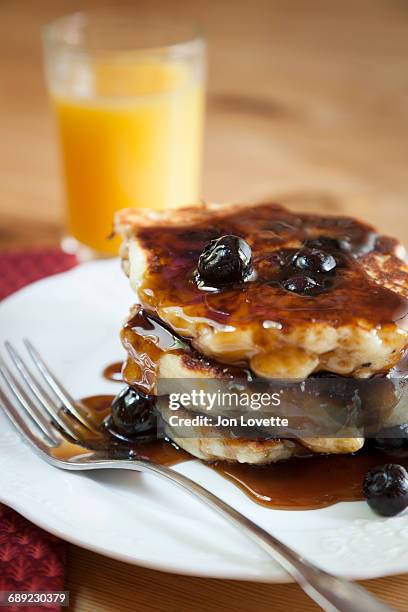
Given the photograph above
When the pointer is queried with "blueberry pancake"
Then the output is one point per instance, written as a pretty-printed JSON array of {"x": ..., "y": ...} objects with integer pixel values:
[{"x": 316, "y": 294}]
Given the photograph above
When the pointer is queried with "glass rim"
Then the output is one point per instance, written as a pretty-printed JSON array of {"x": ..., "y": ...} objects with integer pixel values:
[{"x": 54, "y": 34}]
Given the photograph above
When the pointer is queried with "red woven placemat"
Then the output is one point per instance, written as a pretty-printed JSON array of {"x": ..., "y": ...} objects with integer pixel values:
[
  {"x": 19, "y": 268},
  {"x": 30, "y": 558}
]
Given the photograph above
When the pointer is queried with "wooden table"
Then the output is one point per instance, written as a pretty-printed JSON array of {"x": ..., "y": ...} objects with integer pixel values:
[{"x": 308, "y": 105}]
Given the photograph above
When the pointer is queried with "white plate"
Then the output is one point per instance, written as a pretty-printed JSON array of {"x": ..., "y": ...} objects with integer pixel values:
[{"x": 74, "y": 318}]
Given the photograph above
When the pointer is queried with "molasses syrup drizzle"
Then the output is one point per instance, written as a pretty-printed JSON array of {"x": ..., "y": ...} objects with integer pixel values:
[{"x": 296, "y": 484}]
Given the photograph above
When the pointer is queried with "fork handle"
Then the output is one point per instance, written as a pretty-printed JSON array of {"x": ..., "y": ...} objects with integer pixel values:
[{"x": 328, "y": 591}]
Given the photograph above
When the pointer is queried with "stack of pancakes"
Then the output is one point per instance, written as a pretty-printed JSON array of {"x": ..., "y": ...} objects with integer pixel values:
[{"x": 355, "y": 327}]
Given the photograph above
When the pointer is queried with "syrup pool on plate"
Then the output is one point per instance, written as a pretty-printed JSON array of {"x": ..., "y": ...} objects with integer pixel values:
[{"x": 296, "y": 484}]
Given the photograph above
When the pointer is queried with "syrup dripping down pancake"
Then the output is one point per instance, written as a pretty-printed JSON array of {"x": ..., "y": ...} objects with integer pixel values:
[{"x": 357, "y": 327}]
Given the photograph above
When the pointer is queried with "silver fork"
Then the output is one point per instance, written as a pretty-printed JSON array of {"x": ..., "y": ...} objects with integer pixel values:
[{"x": 66, "y": 439}]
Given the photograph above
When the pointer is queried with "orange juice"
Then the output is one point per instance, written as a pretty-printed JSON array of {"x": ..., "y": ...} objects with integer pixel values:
[{"x": 136, "y": 141}]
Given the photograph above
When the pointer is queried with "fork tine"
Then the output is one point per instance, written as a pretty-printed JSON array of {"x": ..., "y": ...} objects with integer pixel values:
[
  {"x": 19, "y": 423},
  {"x": 65, "y": 398},
  {"x": 24, "y": 401},
  {"x": 44, "y": 399}
]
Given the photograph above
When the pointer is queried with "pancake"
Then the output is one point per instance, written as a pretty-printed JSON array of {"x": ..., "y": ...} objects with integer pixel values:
[
  {"x": 356, "y": 327},
  {"x": 159, "y": 360}
]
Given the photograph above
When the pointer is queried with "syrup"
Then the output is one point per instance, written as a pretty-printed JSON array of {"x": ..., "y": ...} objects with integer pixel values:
[
  {"x": 306, "y": 483},
  {"x": 296, "y": 484},
  {"x": 159, "y": 451},
  {"x": 113, "y": 372},
  {"x": 146, "y": 339},
  {"x": 269, "y": 228}
]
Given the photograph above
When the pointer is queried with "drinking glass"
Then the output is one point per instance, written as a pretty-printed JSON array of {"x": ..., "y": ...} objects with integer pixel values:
[{"x": 128, "y": 96}]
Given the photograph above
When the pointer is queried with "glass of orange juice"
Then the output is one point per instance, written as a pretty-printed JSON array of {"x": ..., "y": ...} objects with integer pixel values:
[{"x": 129, "y": 97}]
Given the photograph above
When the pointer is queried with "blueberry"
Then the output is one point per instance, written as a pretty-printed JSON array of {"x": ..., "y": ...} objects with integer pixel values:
[
  {"x": 386, "y": 489},
  {"x": 393, "y": 438},
  {"x": 314, "y": 260},
  {"x": 224, "y": 261},
  {"x": 133, "y": 412},
  {"x": 302, "y": 284}
]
